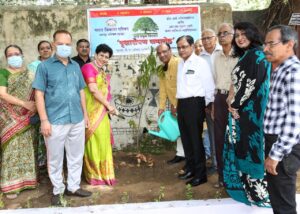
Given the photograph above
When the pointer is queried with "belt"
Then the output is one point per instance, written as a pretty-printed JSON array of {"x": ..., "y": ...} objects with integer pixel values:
[{"x": 222, "y": 91}]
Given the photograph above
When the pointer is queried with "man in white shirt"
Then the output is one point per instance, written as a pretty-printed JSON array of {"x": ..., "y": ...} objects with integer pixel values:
[
  {"x": 211, "y": 48},
  {"x": 195, "y": 91}
]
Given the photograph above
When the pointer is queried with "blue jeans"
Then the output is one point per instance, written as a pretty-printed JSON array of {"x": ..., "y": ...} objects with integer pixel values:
[{"x": 206, "y": 144}]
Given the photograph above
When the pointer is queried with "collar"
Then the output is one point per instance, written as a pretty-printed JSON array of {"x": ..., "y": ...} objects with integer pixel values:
[
  {"x": 89, "y": 59},
  {"x": 288, "y": 62},
  {"x": 55, "y": 59},
  {"x": 191, "y": 57},
  {"x": 230, "y": 53},
  {"x": 217, "y": 48}
]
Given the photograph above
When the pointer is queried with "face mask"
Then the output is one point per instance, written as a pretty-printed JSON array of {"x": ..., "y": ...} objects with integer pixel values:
[
  {"x": 63, "y": 51},
  {"x": 15, "y": 61}
]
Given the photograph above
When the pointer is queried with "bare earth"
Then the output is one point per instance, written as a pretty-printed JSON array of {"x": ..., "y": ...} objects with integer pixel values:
[{"x": 135, "y": 184}]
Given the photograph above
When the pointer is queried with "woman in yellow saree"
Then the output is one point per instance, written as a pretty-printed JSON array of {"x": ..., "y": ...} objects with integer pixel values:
[
  {"x": 98, "y": 160},
  {"x": 18, "y": 138}
]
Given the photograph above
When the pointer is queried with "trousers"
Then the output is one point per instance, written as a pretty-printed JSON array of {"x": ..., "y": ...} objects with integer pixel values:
[
  {"x": 282, "y": 187},
  {"x": 69, "y": 137}
]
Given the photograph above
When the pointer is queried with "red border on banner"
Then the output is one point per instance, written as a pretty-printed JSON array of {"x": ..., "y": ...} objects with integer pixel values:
[{"x": 144, "y": 12}]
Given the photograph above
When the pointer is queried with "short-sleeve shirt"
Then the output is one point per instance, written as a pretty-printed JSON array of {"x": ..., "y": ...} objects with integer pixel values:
[
  {"x": 61, "y": 85},
  {"x": 4, "y": 74}
]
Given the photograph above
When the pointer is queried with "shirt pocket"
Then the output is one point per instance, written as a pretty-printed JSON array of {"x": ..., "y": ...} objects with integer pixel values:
[
  {"x": 52, "y": 81},
  {"x": 191, "y": 77}
]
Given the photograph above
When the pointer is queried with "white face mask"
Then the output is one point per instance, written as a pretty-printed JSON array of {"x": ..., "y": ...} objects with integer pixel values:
[
  {"x": 63, "y": 51},
  {"x": 15, "y": 61}
]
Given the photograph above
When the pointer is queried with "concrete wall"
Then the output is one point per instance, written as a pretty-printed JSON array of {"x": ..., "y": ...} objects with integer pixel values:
[{"x": 26, "y": 26}]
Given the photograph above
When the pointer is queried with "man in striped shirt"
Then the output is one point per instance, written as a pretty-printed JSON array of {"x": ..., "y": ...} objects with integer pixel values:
[{"x": 282, "y": 119}]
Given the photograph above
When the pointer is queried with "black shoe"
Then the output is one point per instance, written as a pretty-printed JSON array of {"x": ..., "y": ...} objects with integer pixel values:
[
  {"x": 56, "y": 200},
  {"x": 80, "y": 193},
  {"x": 176, "y": 159},
  {"x": 196, "y": 181},
  {"x": 186, "y": 175}
]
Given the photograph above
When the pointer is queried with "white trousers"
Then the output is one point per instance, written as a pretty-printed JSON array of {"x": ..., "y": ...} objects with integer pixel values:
[
  {"x": 71, "y": 138},
  {"x": 179, "y": 148}
]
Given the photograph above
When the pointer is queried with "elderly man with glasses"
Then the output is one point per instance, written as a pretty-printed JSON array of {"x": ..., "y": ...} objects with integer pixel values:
[
  {"x": 281, "y": 120},
  {"x": 211, "y": 48},
  {"x": 223, "y": 66}
]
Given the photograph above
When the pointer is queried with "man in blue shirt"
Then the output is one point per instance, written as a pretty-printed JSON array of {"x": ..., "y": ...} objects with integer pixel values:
[{"x": 61, "y": 106}]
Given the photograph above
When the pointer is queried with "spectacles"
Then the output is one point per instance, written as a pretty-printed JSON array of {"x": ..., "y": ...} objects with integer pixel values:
[
  {"x": 224, "y": 34},
  {"x": 271, "y": 44},
  {"x": 207, "y": 38},
  {"x": 182, "y": 47}
]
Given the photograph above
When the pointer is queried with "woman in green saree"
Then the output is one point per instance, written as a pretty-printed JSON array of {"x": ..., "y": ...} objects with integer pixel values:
[
  {"x": 18, "y": 138},
  {"x": 98, "y": 161}
]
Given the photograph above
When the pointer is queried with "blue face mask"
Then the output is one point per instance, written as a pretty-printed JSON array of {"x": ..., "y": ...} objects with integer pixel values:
[
  {"x": 63, "y": 51},
  {"x": 15, "y": 61}
]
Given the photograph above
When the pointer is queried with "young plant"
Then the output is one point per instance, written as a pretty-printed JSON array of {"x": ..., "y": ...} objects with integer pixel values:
[
  {"x": 2, "y": 205},
  {"x": 28, "y": 203},
  {"x": 189, "y": 194},
  {"x": 125, "y": 198},
  {"x": 161, "y": 194},
  {"x": 148, "y": 68}
]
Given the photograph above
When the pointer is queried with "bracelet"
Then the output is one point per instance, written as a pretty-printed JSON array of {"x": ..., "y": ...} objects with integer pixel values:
[{"x": 44, "y": 120}]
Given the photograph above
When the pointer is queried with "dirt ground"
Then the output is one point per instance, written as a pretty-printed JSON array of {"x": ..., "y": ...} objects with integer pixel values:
[{"x": 134, "y": 184}]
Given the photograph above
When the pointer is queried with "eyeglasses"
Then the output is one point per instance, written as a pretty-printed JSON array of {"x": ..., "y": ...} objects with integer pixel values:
[
  {"x": 271, "y": 44},
  {"x": 224, "y": 34},
  {"x": 182, "y": 47},
  {"x": 207, "y": 38}
]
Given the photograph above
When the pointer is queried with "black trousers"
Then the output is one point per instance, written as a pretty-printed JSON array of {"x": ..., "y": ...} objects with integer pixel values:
[
  {"x": 191, "y": 114},
  {"x": 221, "y": 120},
  {"x": 282, "y": 187}
]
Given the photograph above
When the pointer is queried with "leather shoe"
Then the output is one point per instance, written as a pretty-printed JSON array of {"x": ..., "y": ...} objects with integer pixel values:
[
  {"x": 176, "y": 159},
  {"x": 196, "y": 181},
  {"x": 80, "y": 193},
  {"x": 186, "y": 175}
]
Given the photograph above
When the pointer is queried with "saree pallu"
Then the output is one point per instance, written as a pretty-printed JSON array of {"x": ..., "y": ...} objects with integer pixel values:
[
  {"x": 243, "y": 154},
  {"x": 18, "y": 138},
  {"x": 98, "y": 159}
]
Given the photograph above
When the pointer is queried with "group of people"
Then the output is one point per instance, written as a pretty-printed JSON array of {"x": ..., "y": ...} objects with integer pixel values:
[
  {"x": 67, "y": 102},
  {"x": 246, "y": 89}
]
